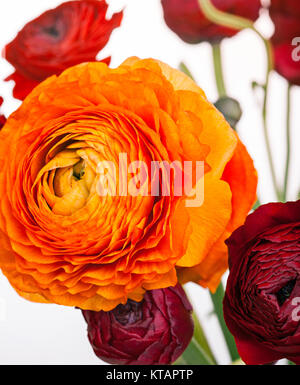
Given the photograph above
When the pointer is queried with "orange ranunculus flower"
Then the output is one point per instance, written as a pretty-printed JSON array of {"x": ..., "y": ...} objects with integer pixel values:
[{"x": 62, "y": 241}]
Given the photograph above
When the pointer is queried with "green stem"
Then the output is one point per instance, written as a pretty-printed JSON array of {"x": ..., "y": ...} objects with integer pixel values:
[
  {"x": 239, "y": 23},
  {"x": 180, "y": 361},
  {"x": 200, "y": 337},
  {"x": 185, "y": 70},
  {"x": 236, "y": 22},
  {"x": 200, "y": 343},
  {"x": 217, "y": 57},
  {"x": 270, "y": 65},
  {"x": 194, "y": 354},
  {"x": 222, "y": 18},
  {"x": 257, "y": 204},
  {"x": 217, "y": 300},
  {"x": 288, "y": 143},
  {"x": 267, "y": 139}
]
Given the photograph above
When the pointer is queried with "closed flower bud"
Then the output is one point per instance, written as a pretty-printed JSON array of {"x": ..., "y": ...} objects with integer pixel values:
[
  {"x": 231, "y": 110},
  {"x": 154, "y": 331},
  {"x": 187, "y": 20}
]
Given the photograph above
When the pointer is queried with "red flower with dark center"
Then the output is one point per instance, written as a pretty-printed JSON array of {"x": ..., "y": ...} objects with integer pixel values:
[
  {"x": 262, "y": 301},
  {"x": 70, "y": 34},
  {"x": 187, "y": 20},
  {"x": 154, "y": 331}
]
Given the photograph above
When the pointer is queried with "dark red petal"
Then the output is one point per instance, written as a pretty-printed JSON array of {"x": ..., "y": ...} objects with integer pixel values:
[
  {"x": 2, "y": 117},
  {"x": 187, "y": 20},
  {"x": 285, "y": 65},
  {"x": 72, "y": 33},
  {"x": 154, "y": 331},
  {"x": 265, "y": 217},
  {"x": 250, "y": 351},
  {"x": 23, "y": 86}
]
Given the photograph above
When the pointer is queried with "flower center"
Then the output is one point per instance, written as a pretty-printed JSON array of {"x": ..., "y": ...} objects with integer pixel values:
[
  {"x": 79, "y": 170},
  {"x": 52, "y": 31},
  {"x": 69, "y": 179},
  {"x": 285, "y": 292},
  {"x": 129, "y": 313}
]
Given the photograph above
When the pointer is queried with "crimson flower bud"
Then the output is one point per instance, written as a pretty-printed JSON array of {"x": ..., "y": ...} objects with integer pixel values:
[
  {"x": 187, "y": 20},
  {"x": 156, "y": 330}
]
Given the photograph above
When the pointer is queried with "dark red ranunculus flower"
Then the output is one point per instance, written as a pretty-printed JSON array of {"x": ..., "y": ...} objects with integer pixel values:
[
  {"x": 287, "y": 62},
  {"x": 70, "y": 34},
  {"x": 286, "y": 18},
  {"x": 262, "y": 300},
  {"x": 285, "y": 15},
  {"x": 154, "y": 331},
  {"x": 187, "y": 20},
  {"x": 2, "y": 117}
]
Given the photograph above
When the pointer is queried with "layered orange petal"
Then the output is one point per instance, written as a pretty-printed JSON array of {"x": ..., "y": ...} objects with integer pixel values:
[
  {"x": 241, "y": 177},
  {"x": 63, "y": 240}
]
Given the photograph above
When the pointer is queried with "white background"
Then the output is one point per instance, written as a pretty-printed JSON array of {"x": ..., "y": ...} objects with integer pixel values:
[{"x": 51, "y": 334}]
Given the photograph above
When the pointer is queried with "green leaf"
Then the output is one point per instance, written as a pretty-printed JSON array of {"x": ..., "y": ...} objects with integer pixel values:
[
  {"x": 238, "y": 362},
  {"x": 185, "y": 70},
  {"x": 217, "y": 300},
  {"x": 194, "y": 355},
  {"x": 257, "y": 204},
  {"x": 180, "y": 361},
  {"x": 200, "y": 337}
]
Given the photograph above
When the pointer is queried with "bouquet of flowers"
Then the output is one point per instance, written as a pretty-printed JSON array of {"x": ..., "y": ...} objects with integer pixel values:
[{"x": 121, "y": 185}]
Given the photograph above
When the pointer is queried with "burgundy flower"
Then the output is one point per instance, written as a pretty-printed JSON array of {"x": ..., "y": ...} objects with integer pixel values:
[
  {"x": 154, "y": 331},
  {"x": 286, "y": 18},
  {"x": 2, "y": 117},
  {"x": 285, "y": 63},
  {"x": 70, "y": 34},
  {"x": 187, "y": 20},
  {"x": 262, "y": 301},
  {"x": 285, "y": 14}
]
